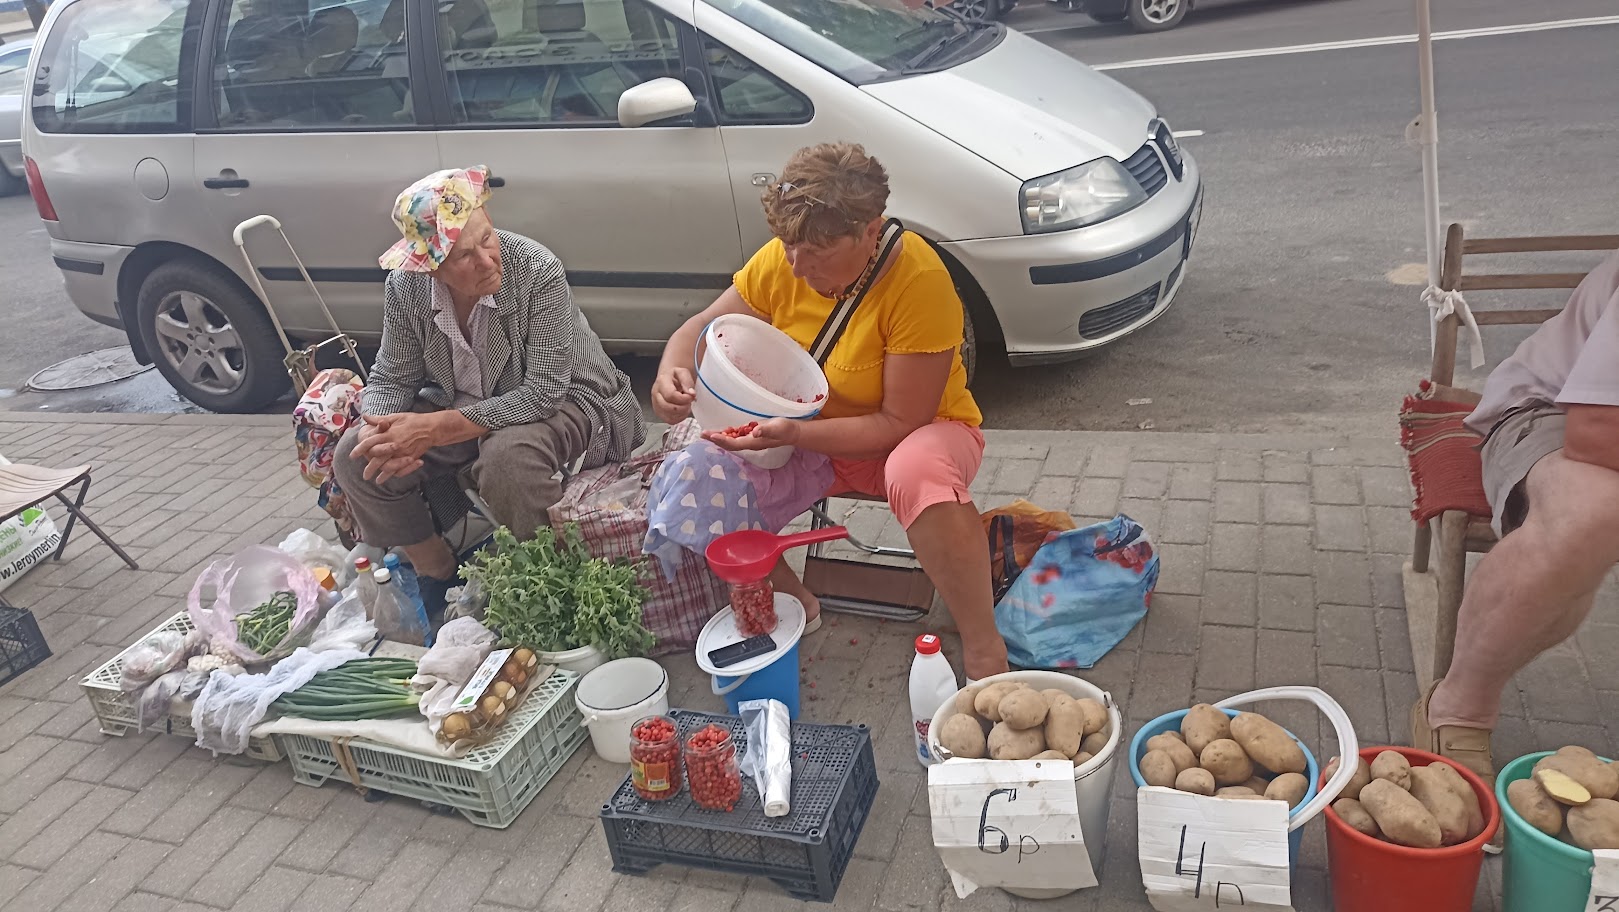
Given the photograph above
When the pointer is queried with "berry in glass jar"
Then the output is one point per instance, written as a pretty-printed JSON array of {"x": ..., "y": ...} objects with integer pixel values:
[
  {"x": 754, "y": 605},
  {"x": 712, "y": 771},
  {"x": 655, "y": 758}
]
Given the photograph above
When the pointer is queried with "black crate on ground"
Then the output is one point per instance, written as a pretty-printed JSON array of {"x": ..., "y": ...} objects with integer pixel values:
[
  {"x": 22, "y": 646},
  {"x": 805, "y": 852}
]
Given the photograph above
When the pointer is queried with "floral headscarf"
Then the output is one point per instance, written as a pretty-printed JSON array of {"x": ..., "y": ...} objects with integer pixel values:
[{"x": 431, "y": 213}]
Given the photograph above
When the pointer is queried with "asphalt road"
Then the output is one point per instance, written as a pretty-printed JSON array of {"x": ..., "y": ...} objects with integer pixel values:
[{"x": 1292, "y": 316}]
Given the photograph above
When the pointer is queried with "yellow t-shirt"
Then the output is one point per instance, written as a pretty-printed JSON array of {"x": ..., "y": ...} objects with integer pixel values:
[{"x": 913, "y": 309}]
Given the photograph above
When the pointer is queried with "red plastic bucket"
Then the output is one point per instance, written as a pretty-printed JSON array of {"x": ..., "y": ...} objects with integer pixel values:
[{"x": 1370, "y": 875}]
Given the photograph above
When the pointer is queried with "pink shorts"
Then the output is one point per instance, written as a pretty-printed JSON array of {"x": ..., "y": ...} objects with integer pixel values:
[{"x": 935, "y": 465}]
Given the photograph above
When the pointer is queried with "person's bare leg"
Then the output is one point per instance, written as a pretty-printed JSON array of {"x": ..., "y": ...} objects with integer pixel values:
[
  {"x": 950, "y": 545},
  {"x": 1533, "y": 589},
  {"x": 785, "y": 580},
  {"x": 432, "y": 557}
]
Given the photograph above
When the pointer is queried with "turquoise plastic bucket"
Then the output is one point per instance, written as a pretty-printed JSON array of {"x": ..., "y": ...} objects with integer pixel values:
[
  {"x": 1539, "y": 873},
  {"x": 776, "y": 681},
  {"x": 1172, "y": 722}
]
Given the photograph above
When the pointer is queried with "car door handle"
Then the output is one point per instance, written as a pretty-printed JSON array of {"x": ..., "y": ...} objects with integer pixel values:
[{"x": 224, "y": 183}]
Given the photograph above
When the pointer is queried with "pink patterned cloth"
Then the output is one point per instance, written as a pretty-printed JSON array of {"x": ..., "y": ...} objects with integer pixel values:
[{"x": 466, "y": 350}]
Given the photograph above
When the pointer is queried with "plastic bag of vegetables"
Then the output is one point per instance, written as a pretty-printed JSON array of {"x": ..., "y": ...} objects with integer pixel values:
[{"x": 257, "y": 606}]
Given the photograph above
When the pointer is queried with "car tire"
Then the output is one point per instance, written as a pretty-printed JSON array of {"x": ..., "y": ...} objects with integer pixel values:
[
  {"x": 210, "y": 338},
  {"x": 969, "y": 345},
  {"x": 1156, "y": 15},
  {"x": 11, "y": 184}
]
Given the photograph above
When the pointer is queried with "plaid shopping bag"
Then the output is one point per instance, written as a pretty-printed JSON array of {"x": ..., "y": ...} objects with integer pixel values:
[{"x": 610, "y": 506}]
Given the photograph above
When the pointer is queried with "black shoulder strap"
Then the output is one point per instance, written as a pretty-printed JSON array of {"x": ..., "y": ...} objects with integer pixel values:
[{"x": 838, "y": 320}]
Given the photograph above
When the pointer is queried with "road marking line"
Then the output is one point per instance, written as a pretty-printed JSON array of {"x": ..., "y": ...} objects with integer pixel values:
[
  {"x": 1185, "y": 134},
  {"x": 1359, "y": 43}
]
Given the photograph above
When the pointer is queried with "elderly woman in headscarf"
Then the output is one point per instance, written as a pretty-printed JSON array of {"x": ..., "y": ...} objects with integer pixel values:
[
  {"x": 486, "y": 365},
  {"x": 898, "y": 421}
]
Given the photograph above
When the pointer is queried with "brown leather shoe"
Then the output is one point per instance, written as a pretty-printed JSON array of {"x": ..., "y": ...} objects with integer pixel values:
[{"x": 1469, "y": 747}]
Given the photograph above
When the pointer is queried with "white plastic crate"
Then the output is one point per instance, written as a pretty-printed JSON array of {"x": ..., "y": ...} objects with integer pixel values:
[
  {"x": 116, "y": 710},
  {"x": 490, "y": 786}
]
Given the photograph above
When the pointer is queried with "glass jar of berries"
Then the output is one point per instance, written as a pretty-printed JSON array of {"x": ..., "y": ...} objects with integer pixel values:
[
  {"x": 712, "y": 770},
  {"x": 754, "y": 605},
  {"x": 655, "y": 758}
]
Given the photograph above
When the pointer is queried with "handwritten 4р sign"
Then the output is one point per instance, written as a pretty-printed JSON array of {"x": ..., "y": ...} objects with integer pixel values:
[
  {"x": 1000, "y": 823},
  {"x": 1212, "y": 853}
]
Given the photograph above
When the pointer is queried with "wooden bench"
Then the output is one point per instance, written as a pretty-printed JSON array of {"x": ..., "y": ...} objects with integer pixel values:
[{"x": 1437, "y": 572}]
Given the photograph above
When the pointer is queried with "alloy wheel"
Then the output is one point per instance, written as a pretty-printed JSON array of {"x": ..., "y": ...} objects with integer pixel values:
[
  {"x": 1159, "y": 12},
  {"x": 199, "y": 342}
]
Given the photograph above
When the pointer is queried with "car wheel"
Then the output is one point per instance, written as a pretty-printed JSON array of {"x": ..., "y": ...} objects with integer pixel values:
[
  {"x": 978, "y": 10},
  {"x": 1157, "y": 15},
  {"x": 11, "y": 184},
  {"x": 210, "y": 338}
]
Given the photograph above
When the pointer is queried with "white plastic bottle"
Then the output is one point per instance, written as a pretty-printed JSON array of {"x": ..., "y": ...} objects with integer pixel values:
[{"x": 933, "y": 681}]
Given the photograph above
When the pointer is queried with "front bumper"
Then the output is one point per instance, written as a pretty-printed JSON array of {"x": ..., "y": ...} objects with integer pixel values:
[
  {"x": 90, "y": 276},
  {"x": 1059, "y": 295}
]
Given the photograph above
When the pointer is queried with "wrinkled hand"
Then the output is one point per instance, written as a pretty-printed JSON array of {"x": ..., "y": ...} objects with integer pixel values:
[
  {"x": 672, "y": 395},
  {"x": 771, "y": 433},
  {"x": 393, "y": 445}
]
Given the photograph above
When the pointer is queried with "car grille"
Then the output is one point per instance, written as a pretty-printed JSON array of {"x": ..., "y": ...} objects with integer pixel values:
[
  {"x": 1104, "y": 321},
  {"x": 1147, "y": 168}
]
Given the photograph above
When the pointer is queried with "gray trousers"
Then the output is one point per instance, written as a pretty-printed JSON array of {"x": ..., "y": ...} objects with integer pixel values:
[{"x": 514, "y": 470}]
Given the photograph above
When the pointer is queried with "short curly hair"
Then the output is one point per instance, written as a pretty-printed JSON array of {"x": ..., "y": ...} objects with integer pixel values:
[{"x": 826, "y": 192}]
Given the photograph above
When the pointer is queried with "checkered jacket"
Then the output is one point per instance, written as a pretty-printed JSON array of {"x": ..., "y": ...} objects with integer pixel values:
[{"x": 540, "y": 350}]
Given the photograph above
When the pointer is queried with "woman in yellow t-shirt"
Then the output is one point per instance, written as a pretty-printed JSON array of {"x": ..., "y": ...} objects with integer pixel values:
[{"x": 898, "y": 422}]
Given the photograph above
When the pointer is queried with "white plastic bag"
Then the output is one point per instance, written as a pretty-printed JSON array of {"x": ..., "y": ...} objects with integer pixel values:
[
  {"x": 152, "y": 706},
  {"x": 155, "y": 656},
  {"x": 25, "y": 540},
  {"x": 344, "y": 627},
  {"x": 461, "y": 646},
  {"x": 314, "y": 551},
  {"x": 240, "y": 584},
  {"x": 769, "y": 757},
  {"x": 230, "y": 705}
]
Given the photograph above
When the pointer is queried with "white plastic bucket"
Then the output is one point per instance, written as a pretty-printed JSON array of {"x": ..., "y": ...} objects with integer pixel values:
[
  {"x": 1093, "y": 779},
  {"x": 749, "y": 371},
  {"x": 579, "y": 660},
  {"x": 612, "y": 697}
]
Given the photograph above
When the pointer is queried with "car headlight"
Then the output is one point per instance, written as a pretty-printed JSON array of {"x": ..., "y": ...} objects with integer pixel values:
[{"x": 1080, "y": 196}]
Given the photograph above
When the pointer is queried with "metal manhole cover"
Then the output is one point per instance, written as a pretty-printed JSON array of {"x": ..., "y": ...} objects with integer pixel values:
[{"x": 88, "y": 370}]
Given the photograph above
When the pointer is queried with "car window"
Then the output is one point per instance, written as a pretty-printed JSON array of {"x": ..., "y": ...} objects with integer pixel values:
[
  {"x": 13, "y": 65},
  {"x": 861, "y": 40},
  {"x": 746, "y": 94},
  {"x": 114, "y": 66},
  {"x": 295, "y": 64},
  {"x": 551, "y": 62}
]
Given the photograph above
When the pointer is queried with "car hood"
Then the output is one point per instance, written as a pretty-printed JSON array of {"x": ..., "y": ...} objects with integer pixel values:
[{"x": 1025, "y": 107}]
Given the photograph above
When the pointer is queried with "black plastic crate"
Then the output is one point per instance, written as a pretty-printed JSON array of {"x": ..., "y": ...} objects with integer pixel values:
[
  {"x": 22, "y": 646},
  {"x": 805, "y": 852}
]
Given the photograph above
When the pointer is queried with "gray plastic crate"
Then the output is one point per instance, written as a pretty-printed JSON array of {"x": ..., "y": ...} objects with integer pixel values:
[{"x": 805, "y": 852}]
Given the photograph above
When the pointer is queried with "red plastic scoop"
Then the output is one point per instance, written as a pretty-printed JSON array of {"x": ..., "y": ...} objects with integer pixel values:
[{"x": 749, "y": 556}]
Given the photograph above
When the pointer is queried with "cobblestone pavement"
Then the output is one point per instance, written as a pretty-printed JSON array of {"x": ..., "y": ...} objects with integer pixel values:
[{"x": 1281, "y": 565}]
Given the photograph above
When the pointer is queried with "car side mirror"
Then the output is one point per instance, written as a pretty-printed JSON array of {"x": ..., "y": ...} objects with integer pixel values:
[{"x": 655, "y": 100}]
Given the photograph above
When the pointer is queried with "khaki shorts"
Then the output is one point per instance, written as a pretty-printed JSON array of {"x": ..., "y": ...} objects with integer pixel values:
[{"x": 1522, "y": 438}]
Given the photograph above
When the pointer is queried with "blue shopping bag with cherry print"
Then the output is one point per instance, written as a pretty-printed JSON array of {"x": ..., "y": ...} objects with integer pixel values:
[{"x": 1081, "y": 594}]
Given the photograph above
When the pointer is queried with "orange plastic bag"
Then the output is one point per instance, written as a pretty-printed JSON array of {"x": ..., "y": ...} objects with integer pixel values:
[{"x": 1015, "y": 532}]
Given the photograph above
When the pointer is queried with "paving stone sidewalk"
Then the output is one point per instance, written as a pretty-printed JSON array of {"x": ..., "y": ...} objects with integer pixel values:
[{"x": 1281, "y": 564}]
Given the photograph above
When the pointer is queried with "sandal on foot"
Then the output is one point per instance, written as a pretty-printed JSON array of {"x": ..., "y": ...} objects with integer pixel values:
[
  {"x": 812, "y": 625},
  {"x": 1464, "y": 746}
]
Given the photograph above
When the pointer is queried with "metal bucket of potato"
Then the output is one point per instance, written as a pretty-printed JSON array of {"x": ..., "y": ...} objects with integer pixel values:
[{"x": 1093, "y": 779}]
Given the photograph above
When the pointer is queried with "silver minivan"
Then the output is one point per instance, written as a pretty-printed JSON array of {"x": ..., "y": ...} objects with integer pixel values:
[{"x": 632, "y": 137}]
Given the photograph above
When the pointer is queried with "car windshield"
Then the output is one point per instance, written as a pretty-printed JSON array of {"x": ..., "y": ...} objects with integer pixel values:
[
  {"x": 862, "y": 40},
  {"x": 13, "y": 63}
]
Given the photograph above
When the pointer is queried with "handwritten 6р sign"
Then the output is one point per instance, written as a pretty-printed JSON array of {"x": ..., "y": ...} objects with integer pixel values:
[
  {"x": 1212, "y": 853},
  {"x": 1002, "y": 823}
]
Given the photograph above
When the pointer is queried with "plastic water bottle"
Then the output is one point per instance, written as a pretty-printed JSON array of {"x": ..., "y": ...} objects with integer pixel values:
[
  {"x": 405, "y": 577},
  {"x": 933, "y": 681},
  {"x": 365, "y": 585},
  {"x": 396, "y": 618}
]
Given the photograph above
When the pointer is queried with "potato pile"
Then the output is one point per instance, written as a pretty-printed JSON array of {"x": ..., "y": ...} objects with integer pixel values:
[
  {"x": 1012, "y": 721},
  {"x": 1571, "y": 795},
  {"x": 1424, "y": 807},
  {"x": 1248, "y": 757}
]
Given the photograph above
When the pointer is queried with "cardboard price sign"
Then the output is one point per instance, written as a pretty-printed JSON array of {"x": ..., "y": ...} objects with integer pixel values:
[
  {"x": 1213, "y": 853},
  {"x": 1000, "y": 823},
  {"x": 1604, "y": 881}
]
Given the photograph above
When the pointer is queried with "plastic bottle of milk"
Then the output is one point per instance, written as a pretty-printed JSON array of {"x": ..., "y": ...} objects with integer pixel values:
[{"x": 933, "y": 681}]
